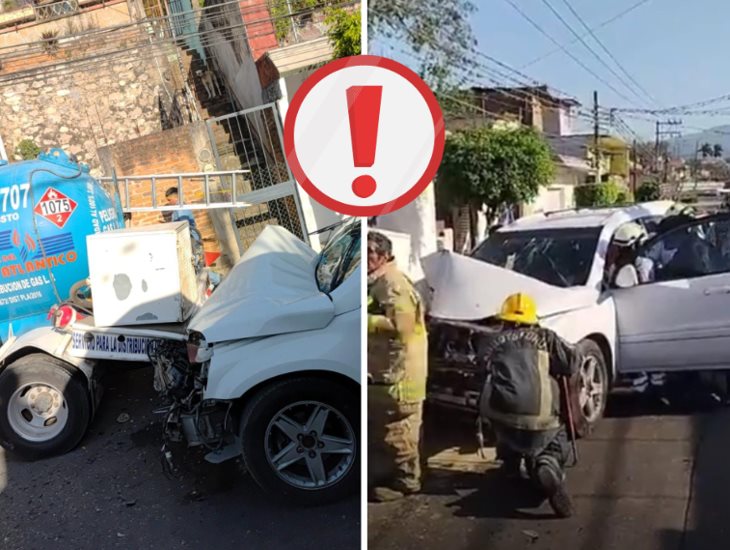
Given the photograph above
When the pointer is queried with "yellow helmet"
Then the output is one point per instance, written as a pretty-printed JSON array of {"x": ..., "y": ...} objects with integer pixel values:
[{"x": 519, "y": 308}]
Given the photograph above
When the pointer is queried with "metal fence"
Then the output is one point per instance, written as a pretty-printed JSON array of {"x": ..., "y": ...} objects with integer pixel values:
[
  {"x": 53, "y": 10},
  {"x": 251, "y": 140}
]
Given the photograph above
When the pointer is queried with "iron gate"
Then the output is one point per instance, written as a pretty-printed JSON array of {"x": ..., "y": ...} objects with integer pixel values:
[{"x": 251, "y": 140}]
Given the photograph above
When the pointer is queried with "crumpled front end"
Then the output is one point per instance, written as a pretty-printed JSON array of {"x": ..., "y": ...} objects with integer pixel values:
[
  {"x": 456, "y": 366},
  {"x": 180, "y": 379}
]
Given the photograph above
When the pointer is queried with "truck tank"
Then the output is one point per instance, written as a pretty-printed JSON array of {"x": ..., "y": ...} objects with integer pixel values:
[{"x": 47, "y": 208}]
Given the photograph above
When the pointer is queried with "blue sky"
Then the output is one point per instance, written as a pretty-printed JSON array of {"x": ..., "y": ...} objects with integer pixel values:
[{"x": 678, "y": 50}]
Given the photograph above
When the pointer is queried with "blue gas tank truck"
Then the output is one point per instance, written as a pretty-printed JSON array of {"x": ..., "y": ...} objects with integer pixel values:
[
  {"x": 48, "y": 207},
  {"x": 52, "y": 353}
]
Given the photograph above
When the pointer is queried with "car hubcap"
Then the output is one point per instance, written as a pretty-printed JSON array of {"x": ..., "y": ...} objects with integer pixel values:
[
  {"x": 591, "y": 388},
  {"x": 37, "y": 412},
  {"x": 310, "y": 445}
]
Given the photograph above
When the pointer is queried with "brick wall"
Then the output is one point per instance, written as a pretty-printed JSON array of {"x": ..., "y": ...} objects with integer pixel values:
[
  {"x": 167, "y": 152},
  {"x": 259, "y": 28}
]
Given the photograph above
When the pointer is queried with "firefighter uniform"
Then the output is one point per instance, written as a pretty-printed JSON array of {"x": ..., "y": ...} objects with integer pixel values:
[
  {"x": 397, "y": 348},
  {"x": 521, "y": 398}
]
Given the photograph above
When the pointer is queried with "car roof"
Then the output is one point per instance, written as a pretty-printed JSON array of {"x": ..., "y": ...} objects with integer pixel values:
[{"x": 587, "y": 217}]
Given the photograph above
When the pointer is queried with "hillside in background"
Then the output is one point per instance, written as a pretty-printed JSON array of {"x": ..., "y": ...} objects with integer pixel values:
[{"x": 688, "y": 142}]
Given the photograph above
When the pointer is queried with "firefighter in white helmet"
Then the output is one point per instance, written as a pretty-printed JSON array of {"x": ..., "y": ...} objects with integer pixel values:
[{"x": 623, "y": 251}]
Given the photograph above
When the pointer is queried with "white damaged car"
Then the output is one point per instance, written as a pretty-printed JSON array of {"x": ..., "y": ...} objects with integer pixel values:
[
  {"x": 559, "y": 259},
  {"x": 267, "y": 370},
  {"x": 272, "y": 370}
]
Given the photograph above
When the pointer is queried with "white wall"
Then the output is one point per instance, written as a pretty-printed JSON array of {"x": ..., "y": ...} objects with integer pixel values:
[
  {"x": 417, "y": 219},
  {"x": 3, "y": 153},
  {"x": 315, "y": 215},
  {"x": 241, "y": 76}
]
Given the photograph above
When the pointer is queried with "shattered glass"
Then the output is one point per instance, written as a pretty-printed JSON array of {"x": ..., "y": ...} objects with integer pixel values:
[{"x": 559, "y": 257}]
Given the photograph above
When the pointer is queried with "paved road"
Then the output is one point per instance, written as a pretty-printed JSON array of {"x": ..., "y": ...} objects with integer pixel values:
[
  {"x": 112, "y": 493},
  {"x": 651, "y": 477}
]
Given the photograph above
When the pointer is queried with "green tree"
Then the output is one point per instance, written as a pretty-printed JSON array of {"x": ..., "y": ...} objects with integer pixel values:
[
  {"x": 27, "y": 150},
  {"x": 597, "y": 194},
  {"x": 717, "y": 150},
  {"x": 285, "y": 14},
  {"x": 344, "y": 32},
  {"x": 706, "y": 150},
  {"x": 438, "y": 31},
  {"x": 493, "y": 167},
  {"x": 648, "y": 191}
]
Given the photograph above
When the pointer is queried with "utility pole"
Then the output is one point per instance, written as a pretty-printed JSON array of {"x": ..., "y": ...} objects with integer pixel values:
[
  {"x": 596, "y": 131},
  {"x": 668, "y": 133},
  {"x": 633, "y": 172},
  {"x": 656, "y": 149}
]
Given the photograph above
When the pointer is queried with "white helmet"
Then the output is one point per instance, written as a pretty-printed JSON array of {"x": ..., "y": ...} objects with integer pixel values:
[{"x": 629, "y": 234}]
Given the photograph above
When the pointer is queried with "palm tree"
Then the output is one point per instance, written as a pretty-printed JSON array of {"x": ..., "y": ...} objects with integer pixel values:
[
  {"x": 717, "y": 150},
  {"x": 706, "y": 150}
]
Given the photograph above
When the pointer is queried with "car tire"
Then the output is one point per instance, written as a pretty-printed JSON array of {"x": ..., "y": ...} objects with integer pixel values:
[
  {"x": 265, "y": 444},
  {"x": 45, "y": 407},
  {"x": 588, "y": 414}
]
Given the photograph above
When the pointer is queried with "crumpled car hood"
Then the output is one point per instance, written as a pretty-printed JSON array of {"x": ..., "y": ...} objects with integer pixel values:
[
  {"x": 271, "y": 290},
  {"x": 466, "y": 289}
]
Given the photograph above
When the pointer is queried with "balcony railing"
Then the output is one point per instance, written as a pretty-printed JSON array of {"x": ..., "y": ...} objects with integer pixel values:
[{"x": 54, "y": 10}]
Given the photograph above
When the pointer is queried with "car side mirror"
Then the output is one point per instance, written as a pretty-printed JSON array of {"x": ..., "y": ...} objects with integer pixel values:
[{"x": 627, "y": 277}]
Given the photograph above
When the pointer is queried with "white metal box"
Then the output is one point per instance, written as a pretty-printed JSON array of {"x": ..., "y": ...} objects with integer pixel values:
[{"x": 142, "y": 275}]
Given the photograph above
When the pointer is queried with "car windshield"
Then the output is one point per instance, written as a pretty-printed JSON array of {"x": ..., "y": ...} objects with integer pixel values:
[
  {"x": 339, "y": 258},
  {"x": 559, "y": 257}
]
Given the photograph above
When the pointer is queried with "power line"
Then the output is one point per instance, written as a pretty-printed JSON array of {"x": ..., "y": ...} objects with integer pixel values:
[
  {"x": 608, "y": 52},
  {"x": 597, "y": 27},
  {"x": 567, "y": 25},
  {"x": 567, "y": 52},
  {"x": 680, "y": 108}
]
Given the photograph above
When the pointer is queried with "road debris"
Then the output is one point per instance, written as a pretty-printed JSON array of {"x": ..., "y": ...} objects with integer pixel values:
[
  {"x": 123, "y": 418},
  {"x": 532, "y": 535}
]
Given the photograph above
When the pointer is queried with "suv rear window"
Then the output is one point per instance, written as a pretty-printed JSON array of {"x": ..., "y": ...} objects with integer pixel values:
[{"x": 559, "y": 257}]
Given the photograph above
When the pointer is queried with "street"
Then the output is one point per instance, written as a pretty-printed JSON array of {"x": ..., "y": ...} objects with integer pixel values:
[
  {"x": 111, "y": 492},
  {"x": 651, "y": 476}
]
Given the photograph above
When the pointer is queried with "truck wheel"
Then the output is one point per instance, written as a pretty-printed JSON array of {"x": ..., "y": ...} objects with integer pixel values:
[
  {"x": 592, "y": 387},
  {"x": 44, "y": 407},
  {"x": 300, "y": 440}
]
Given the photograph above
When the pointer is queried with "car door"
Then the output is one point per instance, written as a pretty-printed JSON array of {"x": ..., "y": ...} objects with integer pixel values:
[{"x": 680, "y": 319}]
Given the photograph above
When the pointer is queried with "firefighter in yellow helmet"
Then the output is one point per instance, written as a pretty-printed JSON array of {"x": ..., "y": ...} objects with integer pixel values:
[
  {"x": 521, "y": 399},
  {"x": 396, "y": 375}
]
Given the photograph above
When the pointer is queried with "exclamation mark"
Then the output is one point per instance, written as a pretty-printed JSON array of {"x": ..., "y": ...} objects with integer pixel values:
[{"x": 363, "y": 105}]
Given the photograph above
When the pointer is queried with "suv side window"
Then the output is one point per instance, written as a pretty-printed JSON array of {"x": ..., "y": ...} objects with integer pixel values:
[
  {"x": 339, "y": 258},
  {"x": 695, "y": 250},
  {"x": 651, "y": 224}
]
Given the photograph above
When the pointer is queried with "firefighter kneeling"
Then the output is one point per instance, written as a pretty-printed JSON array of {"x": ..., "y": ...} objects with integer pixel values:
[{"x": 521, "y": 399}]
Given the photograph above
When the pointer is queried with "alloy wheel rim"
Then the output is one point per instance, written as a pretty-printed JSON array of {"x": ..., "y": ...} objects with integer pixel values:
[
  {"x": 591, "y": 388},
  {"x": 310, "y": 445}
]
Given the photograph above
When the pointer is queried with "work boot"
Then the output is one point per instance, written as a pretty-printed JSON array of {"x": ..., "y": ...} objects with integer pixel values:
[
  {"x": 511, "y": 468},
  {"x": 385, "y": 494},
  {"x": 554, "y": 487}
]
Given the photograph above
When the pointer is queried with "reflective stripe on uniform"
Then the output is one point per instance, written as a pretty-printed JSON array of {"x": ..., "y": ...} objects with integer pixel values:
[
  {"x": 409, "y": 391},
  {"x": 524, "y": 422},
  {"x": 546, "y": 392}
]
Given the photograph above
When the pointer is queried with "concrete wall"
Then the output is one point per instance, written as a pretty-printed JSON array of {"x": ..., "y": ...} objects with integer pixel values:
[
  {"x": 231, "y": 53},
  {"x": 417, "y": 219},
  {"x": 110, "y": 14}
]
